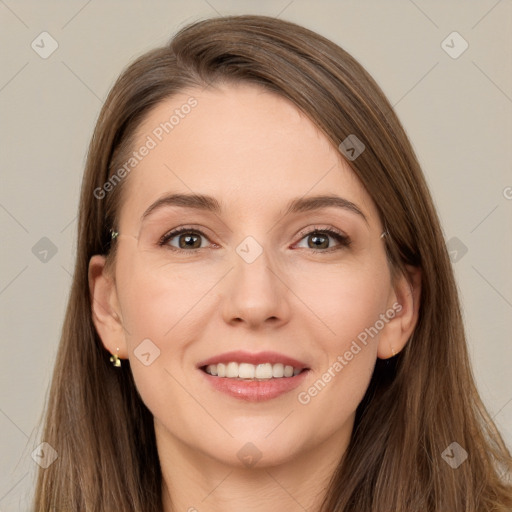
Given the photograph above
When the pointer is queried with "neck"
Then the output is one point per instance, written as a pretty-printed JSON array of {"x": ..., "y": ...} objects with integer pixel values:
[{"x": 194, "y": 481}]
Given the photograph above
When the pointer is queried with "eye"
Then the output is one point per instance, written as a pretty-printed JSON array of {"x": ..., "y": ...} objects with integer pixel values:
[
  {"x": 187, "y": 238},
  {"x": 319, "y": 239},
  {"x": 190, "y": 238}
]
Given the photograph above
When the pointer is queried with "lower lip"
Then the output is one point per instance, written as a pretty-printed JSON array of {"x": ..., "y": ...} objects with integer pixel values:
[{"x": 255, "y": 390}]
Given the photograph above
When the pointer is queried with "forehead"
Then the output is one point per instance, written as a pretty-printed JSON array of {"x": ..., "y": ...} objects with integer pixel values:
[{"x": 251, "y": 148}]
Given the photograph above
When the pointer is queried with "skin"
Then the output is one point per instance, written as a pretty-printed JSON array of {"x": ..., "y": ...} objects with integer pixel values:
[{"x": 253, "y": 151}]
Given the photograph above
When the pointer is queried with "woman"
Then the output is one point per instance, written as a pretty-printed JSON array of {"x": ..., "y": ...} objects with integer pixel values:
[{"x": 263, "y": 313}]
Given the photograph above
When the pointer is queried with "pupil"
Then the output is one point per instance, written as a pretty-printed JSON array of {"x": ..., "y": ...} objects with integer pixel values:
[
  {"x": 185, "y": 239},
  {"x": 317, "y": 237}
]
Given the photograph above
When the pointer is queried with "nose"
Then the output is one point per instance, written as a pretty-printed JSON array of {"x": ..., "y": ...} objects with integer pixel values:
[{"x": 256, "y": 292}]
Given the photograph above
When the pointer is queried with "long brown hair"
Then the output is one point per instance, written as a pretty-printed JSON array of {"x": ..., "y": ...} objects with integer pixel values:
[{"x": 418, "y": 403}]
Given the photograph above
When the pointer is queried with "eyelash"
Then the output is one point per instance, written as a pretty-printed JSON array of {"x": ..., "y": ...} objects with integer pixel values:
[{"x": 342, "y": 239}]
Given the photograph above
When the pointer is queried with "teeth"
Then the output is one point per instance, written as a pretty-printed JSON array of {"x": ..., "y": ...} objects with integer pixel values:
[
  {"x": 264, "y": 371},
  {"x": 246, "y": 371},
  {"x": 232, "y": 370},
  {"x": 278, "y": 370}
]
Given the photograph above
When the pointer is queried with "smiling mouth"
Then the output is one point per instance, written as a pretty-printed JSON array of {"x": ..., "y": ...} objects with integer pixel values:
[{"x": 254, "y": 372}]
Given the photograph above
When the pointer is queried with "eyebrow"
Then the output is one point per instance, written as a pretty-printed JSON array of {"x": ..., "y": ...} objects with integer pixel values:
[{"x": 299, "y": 205}]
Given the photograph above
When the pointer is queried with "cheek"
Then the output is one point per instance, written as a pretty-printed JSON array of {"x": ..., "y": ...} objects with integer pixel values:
[
  {"x": 168, "y": 306},
  {"x": 149, "y": 306},
  {"x": 349, "y": 304},
  {"x": 158, "y": 306},
  {"x": 346, "y": 299},
  {"x": 154, "y": 297}
]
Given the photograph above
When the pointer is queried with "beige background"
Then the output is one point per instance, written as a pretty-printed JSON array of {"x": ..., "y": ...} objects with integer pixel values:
[{"x": 457, "y": 113}]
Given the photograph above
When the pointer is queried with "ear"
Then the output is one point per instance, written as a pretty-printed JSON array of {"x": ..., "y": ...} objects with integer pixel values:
[
  {"x": 106, "y": 313},
  {"x": 404, "y": 305}
]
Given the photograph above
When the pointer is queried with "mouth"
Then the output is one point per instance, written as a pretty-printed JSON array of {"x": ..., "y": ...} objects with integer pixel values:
[
  {"x": 248, "y": 371},
  {"x": 253, "y": 377}
]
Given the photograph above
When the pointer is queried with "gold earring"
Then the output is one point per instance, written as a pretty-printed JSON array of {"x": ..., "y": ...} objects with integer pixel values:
[{"x": 114, "y": 359}]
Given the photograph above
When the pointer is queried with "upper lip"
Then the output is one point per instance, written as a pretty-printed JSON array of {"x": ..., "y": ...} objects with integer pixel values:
[{"x": 241, "y": 356}]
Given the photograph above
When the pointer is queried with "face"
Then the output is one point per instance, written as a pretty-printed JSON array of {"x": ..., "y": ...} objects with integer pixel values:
[{"x": 307, "y": 287}]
